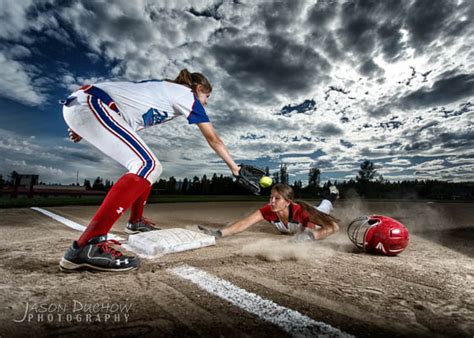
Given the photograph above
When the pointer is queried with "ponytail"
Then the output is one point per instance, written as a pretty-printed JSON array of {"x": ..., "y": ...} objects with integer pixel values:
[
  {"x": 191, "y": 80},
  {"x": 315, "y": 216},
  {"x": 184, "y": 78}
]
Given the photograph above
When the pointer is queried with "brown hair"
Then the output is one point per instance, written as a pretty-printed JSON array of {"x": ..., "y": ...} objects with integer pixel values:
[
  {"x": 191, "y": 80},
  {"x": 315, "y": 216}
]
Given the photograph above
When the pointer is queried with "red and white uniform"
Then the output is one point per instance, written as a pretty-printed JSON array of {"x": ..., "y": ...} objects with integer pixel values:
[
  {"x": 298, "y": 218},
  {"x": 108, "y": 116}
]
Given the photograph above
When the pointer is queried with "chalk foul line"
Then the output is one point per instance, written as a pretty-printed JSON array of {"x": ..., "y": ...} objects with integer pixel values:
[
  {"x": 71, "y": 224},
  {"x": 289, "y": 320}
]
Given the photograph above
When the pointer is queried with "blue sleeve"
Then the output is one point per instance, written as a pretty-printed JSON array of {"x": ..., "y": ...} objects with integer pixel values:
[{"x": 198, "y": 113}]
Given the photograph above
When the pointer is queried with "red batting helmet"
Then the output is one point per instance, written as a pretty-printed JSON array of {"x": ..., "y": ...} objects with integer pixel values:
[{"x": 378, "y": 234}]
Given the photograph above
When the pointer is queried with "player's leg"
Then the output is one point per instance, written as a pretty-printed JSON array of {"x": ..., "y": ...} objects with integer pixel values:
[
  {"x": 137, "y": 223},
  {"x": 108, "y": 132},
  {"x": 327, "y": 203}
]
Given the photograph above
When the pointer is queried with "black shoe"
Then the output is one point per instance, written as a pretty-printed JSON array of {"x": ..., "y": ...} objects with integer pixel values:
[
  {"x": 97, "y": 255},
  {"x": 143, "y": 225}
]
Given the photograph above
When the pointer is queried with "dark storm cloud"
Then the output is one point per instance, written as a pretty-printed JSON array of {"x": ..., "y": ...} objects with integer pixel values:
[
  {"x": 393, "y": 145},
  {"x": 447, "y": 90},
  {"x": 321, "y": 164},
  {"x": 379, "y": 111},
  {"x": 426, "y": 20},
  {"x": 369, "y": 68},
  {"x": 270, "y": 60},
  {"x": 319, "y": 19},
  {"x": 417, "y": 146},
  {"x": 365, "y": 20},
  {"x": 322, "y": 14},
  {"x": 457, "y": 140},
  {"x": 427, "y": 125},
  {"x": 391, "y": 40},
  {"x": 358, "y": 30},
  {"x": 446, "y": 140},
  {"x": 281, "y": 66},
  {"x": 279, "y": 15},
  {"x": 370, "y": 25},
  {"x": 328, "y": 130},
  {"x": 127, "y": 27}
]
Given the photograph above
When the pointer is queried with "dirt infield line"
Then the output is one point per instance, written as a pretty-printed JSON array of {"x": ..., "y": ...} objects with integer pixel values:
[{"x": 289, "y": 320}]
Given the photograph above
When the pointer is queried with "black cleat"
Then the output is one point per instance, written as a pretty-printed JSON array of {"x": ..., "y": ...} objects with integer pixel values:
[
  {"x": 97, "y": 255},
  {"x": 143, "y": 225}
]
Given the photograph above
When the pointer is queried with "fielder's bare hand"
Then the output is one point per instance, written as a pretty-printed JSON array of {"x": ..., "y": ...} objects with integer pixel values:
[{"x": 73, "y": 136}]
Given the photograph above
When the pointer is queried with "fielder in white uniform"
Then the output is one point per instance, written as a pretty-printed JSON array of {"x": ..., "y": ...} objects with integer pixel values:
[{"x": 108, "y": 115}]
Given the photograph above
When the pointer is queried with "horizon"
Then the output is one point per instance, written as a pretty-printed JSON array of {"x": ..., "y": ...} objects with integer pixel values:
[{"x": 291, "y": 182}]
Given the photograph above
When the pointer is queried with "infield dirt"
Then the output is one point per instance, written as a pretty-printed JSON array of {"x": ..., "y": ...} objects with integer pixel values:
[{"x": 425, "y": 291}]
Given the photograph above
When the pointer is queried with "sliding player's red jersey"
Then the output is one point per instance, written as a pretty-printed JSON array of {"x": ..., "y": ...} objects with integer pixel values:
[{"x": 298, "y": 219}]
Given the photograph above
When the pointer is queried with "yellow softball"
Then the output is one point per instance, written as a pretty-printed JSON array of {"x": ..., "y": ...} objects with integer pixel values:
[{"x": 265, "y": 182}]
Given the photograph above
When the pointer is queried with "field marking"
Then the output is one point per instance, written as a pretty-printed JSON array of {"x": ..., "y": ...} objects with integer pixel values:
[
  {"x": 289, "y": 320},
  {"x": 71, "y": 224}
]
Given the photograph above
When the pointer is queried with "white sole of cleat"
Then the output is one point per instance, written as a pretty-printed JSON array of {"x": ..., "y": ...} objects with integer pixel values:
[{"x": 67, "y": 266}]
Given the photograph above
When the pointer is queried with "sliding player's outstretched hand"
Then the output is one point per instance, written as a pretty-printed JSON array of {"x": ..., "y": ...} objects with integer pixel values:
[
  {"x": 249, "y": 178},
  {"x": 212, "y": 232},
  {"x": 304, "y": 236}
]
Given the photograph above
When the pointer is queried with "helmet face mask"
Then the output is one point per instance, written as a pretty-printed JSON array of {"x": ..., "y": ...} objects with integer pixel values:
[
  {"x": 357, "y": 230},
  {"x": 378, "y": 234}
]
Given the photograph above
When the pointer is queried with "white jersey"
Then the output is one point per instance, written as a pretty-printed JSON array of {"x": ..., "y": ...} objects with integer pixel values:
[{"x": 147, "y": 103}]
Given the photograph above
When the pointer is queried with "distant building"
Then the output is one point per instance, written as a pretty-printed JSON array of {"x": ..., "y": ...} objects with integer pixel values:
[{"x": 27, "y": 186}]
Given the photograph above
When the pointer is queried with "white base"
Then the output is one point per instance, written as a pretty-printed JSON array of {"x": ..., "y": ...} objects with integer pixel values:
[{"x": 161, "y": 242}]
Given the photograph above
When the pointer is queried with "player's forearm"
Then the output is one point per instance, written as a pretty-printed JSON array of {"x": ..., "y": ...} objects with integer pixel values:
[
  {"x": 326, "y": 231},
  {"x": 220, "y": 148},
  {"x": 243, "y": 224},
  {"x": 235, "y": 228}
]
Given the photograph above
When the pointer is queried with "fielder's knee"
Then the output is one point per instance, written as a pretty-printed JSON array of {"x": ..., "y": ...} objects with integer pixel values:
[{"x": 154, "y": 173}]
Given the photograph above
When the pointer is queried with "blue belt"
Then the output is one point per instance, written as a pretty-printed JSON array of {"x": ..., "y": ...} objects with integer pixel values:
[
  {"x": 96, "y": 92},
  {"x": 101, "y": 95}
]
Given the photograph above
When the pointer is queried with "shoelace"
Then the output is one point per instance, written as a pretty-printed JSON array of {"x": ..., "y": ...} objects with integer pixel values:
[{"x": 104, "y": 246}]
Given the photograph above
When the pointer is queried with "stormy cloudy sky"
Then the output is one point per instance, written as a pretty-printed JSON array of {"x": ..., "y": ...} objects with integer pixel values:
[{"x": 309, "y": 83}]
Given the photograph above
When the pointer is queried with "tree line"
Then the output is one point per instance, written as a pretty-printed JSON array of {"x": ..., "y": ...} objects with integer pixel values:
[{"x": 366, "y": 184}]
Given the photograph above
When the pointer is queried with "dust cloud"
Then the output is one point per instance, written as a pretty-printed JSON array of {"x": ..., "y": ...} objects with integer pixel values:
[{"x": 285, "y": 250}]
